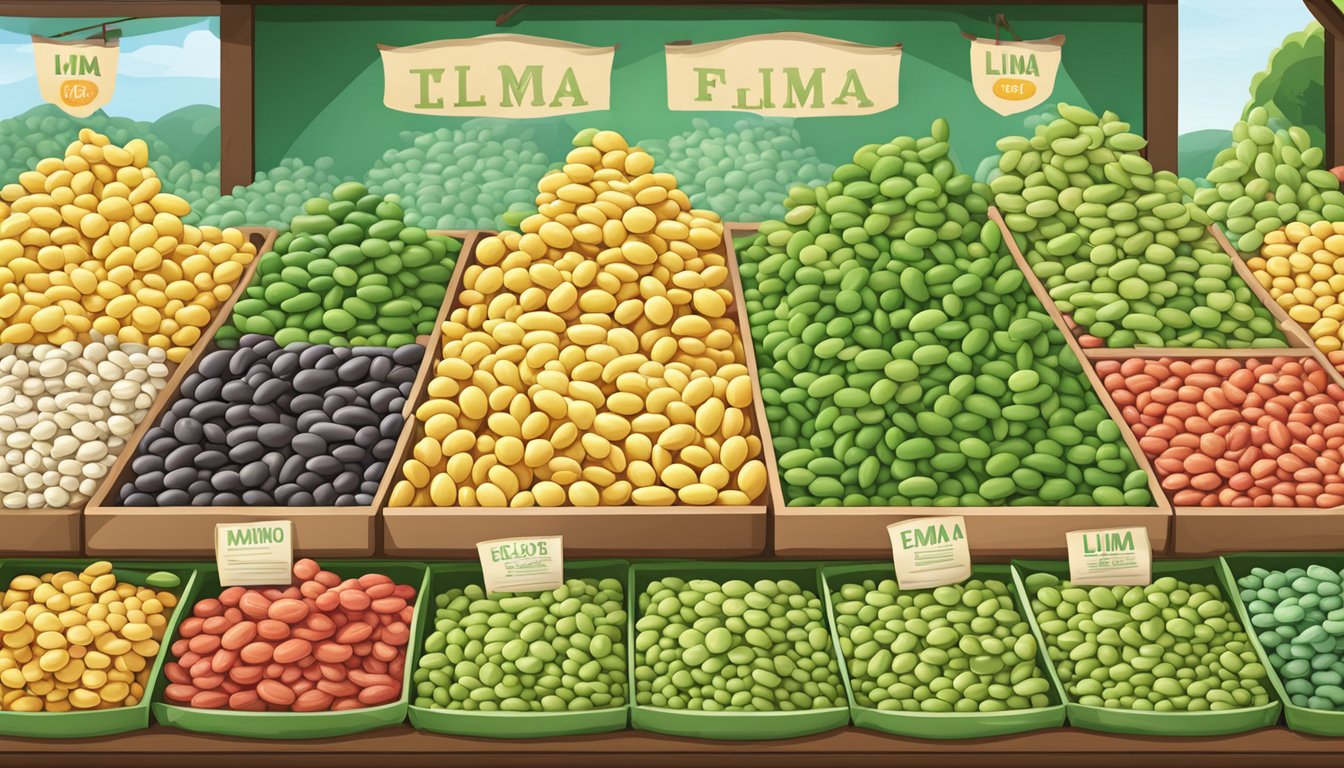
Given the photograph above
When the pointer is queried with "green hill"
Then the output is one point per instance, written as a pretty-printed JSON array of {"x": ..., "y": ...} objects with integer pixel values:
[
  {"x": 1196, "y": 151},
  {"x": 191, "y": 133}
]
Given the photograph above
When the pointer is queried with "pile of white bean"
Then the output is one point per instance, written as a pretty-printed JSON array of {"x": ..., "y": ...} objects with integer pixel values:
[{"x": 66, "y": 412}]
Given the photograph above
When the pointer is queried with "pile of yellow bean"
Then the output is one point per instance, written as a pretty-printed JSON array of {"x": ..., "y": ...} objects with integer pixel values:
[
  {"x": 91, "y": 242},
  {"x": 78, "y": 641},
  {"x": 1302, "y": 268},
  {"x": 593, "y": 357}
]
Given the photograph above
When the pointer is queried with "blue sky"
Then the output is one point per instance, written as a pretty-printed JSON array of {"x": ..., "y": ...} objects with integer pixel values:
[
  {"x": 158, "y": 72},
  {"x": 1224, "y": 43}
]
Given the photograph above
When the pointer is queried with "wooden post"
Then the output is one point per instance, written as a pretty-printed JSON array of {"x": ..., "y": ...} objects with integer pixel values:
[
  {"x": 1332, "y": 18},
  {"x": 237, "y": 151},
  {"x": 1161, "y": 100}
]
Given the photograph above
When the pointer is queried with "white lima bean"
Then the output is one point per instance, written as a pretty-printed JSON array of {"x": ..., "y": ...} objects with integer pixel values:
[{"x": 66, "y": 413}]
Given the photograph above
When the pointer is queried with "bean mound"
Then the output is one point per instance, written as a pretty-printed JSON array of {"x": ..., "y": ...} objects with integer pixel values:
[
  {"x": 273, "y": 198},
  {"x": 735, "y": 647},
  {"x": 348, "y": 273},
  {"x": 592, "y": 358},
  {"x": 1167, "y": 647},
  {"x": 554, "y": 651},
  {"x": 957, "y": 648},
  {"x": 90, "y": 242},
  {"x": 76, "y": 642},
  {"x": 461, "y": 178},
  {"x": 1117, "y": 244},
  {"x": 1235, "y": 432},
  {"x": 302, "y": 425},
  {"x": 903, "y": 359},
  {"x": 743, "y": 172},
  {"x": 320, "y": 644},
  {"x": 1298, "y": 615},
  {"x": 65, "y": 414},
  {"x": 1300, "y": 266},
  {"x": 1267, "y": 179}
]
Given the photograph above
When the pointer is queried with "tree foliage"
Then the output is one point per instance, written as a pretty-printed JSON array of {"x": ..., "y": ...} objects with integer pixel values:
[{"x": 1292, "y": 86}]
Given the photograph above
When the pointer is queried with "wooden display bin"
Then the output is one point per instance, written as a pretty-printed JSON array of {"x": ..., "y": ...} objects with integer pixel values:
[
  {"x": 628, "y": 531},
  {"x": 189, "y": 531},
  {"x": 58, "y": 531},
  {"x": 1000, "y": 532},
  {"x": 1215, "y": 530}
]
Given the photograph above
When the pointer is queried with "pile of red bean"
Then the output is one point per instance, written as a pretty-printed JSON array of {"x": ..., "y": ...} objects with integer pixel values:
[
  {"x": 1253, "y": 432},
  {"x": 322, "y": 644}
]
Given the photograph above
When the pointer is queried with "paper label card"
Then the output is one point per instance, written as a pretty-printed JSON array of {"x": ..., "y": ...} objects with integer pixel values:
[
  {"x": 930, "y": 552},
  {"x": 1110, "y": 556},
  {"x": 79, "y": 76},
  {"x": 497, "y": 76},
  {"x": 786, "y": 74},
  {"x": 530, "y": 564},
  {"x": 255, "y": 554}
]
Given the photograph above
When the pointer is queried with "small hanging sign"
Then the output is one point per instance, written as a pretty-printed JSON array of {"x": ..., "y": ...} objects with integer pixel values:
[
  {"x": 786, "y": 74},
  {"x": 79, "y": 76},
  {"x": 497, "y": 76},
  {"x": 1012, "y": 76},
  {"x": 930, "y": 551}
]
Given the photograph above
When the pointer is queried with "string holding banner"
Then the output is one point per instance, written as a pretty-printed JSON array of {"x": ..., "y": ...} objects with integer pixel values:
[{"x": 1012, "y": 76}]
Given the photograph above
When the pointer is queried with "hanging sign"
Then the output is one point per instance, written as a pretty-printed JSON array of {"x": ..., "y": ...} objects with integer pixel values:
[
  {"x": 529, "y": 564},
  {"x": 930, "y": 552},
  {"x": 78, "y": 76},
  {"x": 497, "y": 76},
  {"x": 1110, "y": 556},
  {"x": 788, "y": 74},
  {"x": 1012, "y": 76}
]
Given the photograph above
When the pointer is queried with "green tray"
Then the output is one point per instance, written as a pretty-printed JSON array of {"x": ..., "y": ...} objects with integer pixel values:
[
  {"x": 101, "y": 722},
  {"x": 1204, "y": 571},
  {"x": 726, "y": 725},
  {"x": 942, "y": 725},
  {"x": 1320, "y": 722},
  {"x": 513, "y": 725},
  {"x": 301, "y": 725}
]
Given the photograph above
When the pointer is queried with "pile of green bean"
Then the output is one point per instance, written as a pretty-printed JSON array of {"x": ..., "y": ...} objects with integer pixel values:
[
  {"x": 903, "y": 359},
  {"x": 1117, "y": 244}
]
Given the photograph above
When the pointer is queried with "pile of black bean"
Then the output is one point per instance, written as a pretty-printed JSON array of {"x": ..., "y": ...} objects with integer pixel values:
[{"x": 303, "y": 425}]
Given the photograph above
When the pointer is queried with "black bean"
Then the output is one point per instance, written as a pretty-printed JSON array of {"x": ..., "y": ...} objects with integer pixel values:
[
  {"x": 209, "y": 411},
  {"x": 264, "y": 413},
  {"x": 184, "y": 456},
  {"x": 326, "y": 466},
  {"x": 149, "y": 482},
  {"x": 242, "y": 359},
  {"x": 294, "y": 467},
  {"x": 246, "y": 452},
  {"x": 408, "y": 354},
  {"x": 286, "y": 365},
  {"x": 310, "y": 380},
  {"x": 355, "y": 416},
  {"x": 301, "y": 499},
  {"x": 380, "y": 367},
  {"x": 354, "y": 369},
  {"x": 305, "y": 402},
  {"x": 227, "y": 480},
  {"x": 237, "y": 392},
  {"x": 240, "y": 435},
  {"x": 257, "y": 497},
  {"x": 275, "y": 435},
  {"x": 227, "y": 499},
  {"x": 308, "y": 444},
  {"x": 349, "y": 454},
  {"x": 383, "y": 450},
  {"x": 269, "y": 390},
  {"x": 174, "y": 497},
  {"x": 187, "y": 430},
  {"x": 391, "y": 425},
  {"x": 207, "y": 390},
  {"x": 203, "y": 499},
  {"x": 309, "y": 357},
  {"x": 254, "y": 474},
  {"x": 375, "y": 470},
  {"x": 325, "y": 495},
  {"x": 180, "y": 478},
  {"x": 147, "y": 463},
  {"x": 214, "y": 364},
  {"x": 363, "y": 499}
]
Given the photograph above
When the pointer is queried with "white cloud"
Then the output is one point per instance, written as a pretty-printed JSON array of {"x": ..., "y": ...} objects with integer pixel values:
[
  {"x": 16, "y": 63},
  {"x": 198, "y": 56}
]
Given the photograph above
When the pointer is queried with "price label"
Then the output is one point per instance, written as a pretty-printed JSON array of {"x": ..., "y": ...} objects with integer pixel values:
[
  {"x": 529, "y": 564},
  {"x": 255, "y": 554},
  {"x": 930, "y": 552},
  {"x": 1110, "y": 556}
]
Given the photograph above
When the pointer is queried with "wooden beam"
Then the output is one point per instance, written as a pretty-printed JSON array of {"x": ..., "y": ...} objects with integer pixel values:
[
  {"x": 237, "y": 151},
  {"x": 1332, "y": 19},
  {"x": 84, "y": 9},
  {"x": 1161, "y": 101}
]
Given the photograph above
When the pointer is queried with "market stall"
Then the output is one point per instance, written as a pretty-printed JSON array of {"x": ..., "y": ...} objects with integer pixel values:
[{"x": 971, "y": 420}]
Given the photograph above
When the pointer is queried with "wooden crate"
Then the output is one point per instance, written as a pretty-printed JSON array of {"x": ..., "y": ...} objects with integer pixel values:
[
  {"x": 625, "y": 531},
  {"x": 999, "y": 532},
  {"x": 58, "y": 531},
  {"x": 188, "y": 531},
  {"x": 1215, "y": 530}
]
